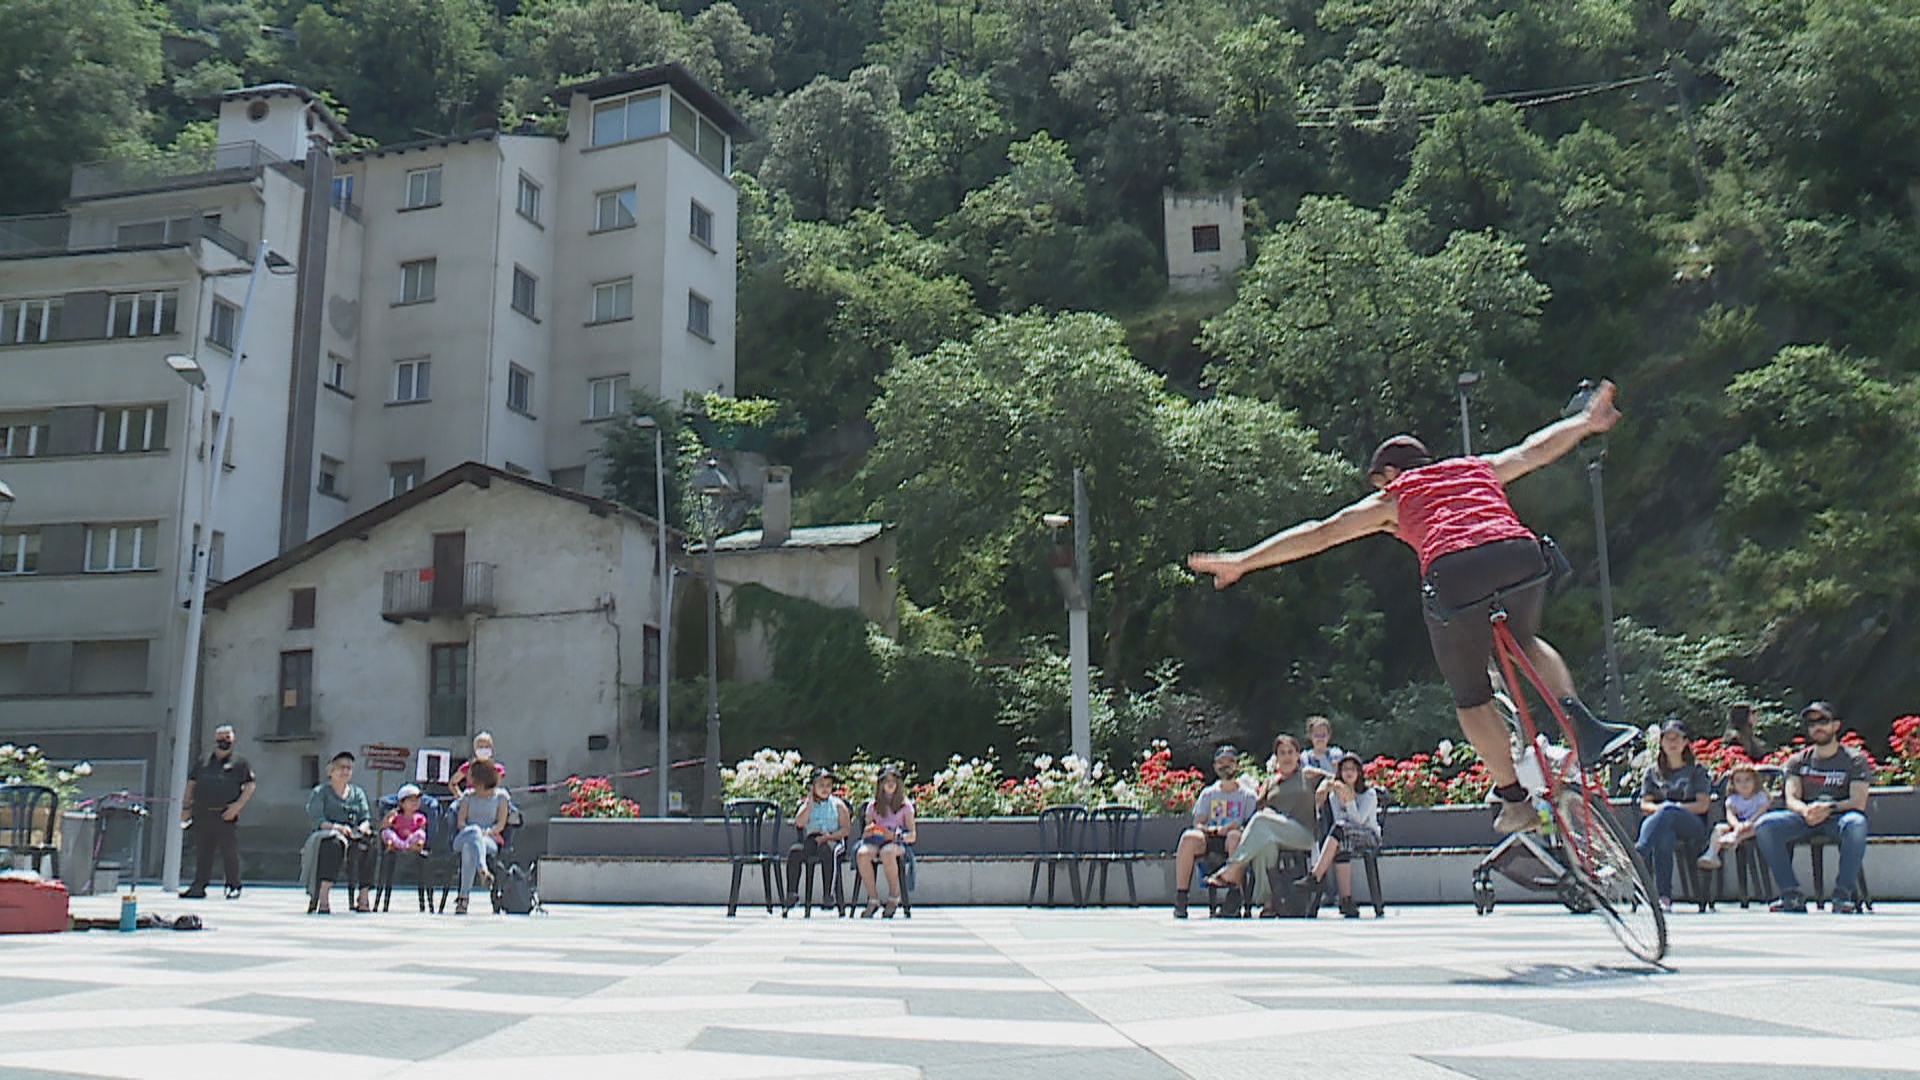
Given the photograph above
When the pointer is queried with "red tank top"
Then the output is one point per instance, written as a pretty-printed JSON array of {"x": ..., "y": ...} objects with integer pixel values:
[{"x": 1451, "y": 506}]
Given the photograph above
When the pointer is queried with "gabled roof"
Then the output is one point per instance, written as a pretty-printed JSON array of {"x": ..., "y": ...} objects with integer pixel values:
[
  {"x": 471, "y": 472},
  {"x": 283, "y": 89},
  {"x": 696, "y": 92},
  {"x": 812, "y": 536}
]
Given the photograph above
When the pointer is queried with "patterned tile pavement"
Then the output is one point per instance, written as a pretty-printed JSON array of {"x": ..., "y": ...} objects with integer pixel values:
[{"x": 665, "y": 993}]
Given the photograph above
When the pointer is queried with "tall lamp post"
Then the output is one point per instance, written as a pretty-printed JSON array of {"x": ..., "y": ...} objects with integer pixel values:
[
  {"x": 713, "y": 485},
  {"x": 190, "y": 370},
  {"x": 1070, "y": 570},
  {"x": 1461, "y": 385},
  {"x": 1593, "y": 452},
  {"x": 663, "y": 762}
]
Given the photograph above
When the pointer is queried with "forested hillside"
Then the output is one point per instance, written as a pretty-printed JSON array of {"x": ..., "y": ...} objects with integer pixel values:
[{"x": 953, "y": 292}]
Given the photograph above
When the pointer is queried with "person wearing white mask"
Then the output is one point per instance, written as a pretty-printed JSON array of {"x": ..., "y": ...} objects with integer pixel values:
[{"x": 482, "y": 751}]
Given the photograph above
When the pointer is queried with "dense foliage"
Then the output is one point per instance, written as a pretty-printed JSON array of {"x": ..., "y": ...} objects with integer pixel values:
[{"x": 953, "y": 288}]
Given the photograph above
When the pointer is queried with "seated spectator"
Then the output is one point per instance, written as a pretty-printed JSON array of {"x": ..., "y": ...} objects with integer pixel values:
[
  {"x": 462, "y": 781},
  {"x": 1740, "y": 733},
  {"x": 824, "y": 821},
  {"x": 1220, "y": 812},
  {"x": 343, "y": 830},
  {"x": 1675, "y": 795},
  {"x": 1826, "y": 793},
  {"x": 1747, "y": 799},
  {"x": 886, "y": 838},
  {"x": 1289, "y": 804},
  {"x": 1356, "y": 826},
  {"x": 480, "y": 825},
  {"x": 405, "y": 830},
  {"x": 1320, "y": 752}
]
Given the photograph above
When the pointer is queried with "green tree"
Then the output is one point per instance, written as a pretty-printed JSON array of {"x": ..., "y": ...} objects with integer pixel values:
[
  {"x": 1139, "y": 100},
  {"x": 830, "y": 145},
  {"x": 405, "y": 67},
  {"x": 1340, "y": 318},
  {"x": 952, "y": 141},
  {"x": 71, "y": 84}
]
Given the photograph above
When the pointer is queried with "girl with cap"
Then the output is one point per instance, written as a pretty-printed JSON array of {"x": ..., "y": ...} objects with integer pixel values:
[
  {"x": 886, "y": 838},
  {"x": 1470, "y": 543},
  {"x": 405, "y": 829}
]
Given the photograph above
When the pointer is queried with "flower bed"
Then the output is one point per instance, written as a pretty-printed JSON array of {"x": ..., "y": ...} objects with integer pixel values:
[{"x": 27, "y": 765}]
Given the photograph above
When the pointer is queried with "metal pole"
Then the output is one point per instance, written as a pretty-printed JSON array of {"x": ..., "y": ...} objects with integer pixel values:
[
  {"x": 664, "y": 759},
  {"x": 1082, "y": 730},
  {"x": 713, "y": 674},
  {"x": 1616, "y": 694},
  {"x": 197, "y": 581},
  {"x": 1466, "y": 426}
]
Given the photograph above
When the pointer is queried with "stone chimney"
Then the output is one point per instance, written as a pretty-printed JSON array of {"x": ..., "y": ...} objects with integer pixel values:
[{"x": 776, "y": 506}]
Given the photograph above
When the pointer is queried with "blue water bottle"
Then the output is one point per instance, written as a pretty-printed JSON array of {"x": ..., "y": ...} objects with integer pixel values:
[{"x": 129, "y": 911}]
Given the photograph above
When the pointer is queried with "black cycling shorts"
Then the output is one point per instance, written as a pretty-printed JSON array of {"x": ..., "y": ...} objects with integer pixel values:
[{"x": 1463, "y": 644}]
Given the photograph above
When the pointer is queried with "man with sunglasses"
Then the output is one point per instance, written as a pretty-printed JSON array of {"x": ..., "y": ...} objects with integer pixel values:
[{"x": 1826, "y": 793}]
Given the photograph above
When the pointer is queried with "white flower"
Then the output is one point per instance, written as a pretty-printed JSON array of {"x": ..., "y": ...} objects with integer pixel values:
[
  {"x": 1446, "y": 747},
  {"x": 1099, "y": 769},
  {"x": 1043, "y": 762}
]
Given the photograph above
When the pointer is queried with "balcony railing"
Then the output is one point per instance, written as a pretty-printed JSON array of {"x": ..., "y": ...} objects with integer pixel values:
[
  {"x": 33, "y": 234},
  {"x": 177, "y": 168},
  {"x": 424, "y": 592}
]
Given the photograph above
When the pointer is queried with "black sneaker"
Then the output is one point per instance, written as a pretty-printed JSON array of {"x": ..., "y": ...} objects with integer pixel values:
[
  {"x": 1792, "y": 903},
  {"x": 233, "y": 892},
  {"x": 1180, "y": 904},
  {"x": 193, "y": 894}
]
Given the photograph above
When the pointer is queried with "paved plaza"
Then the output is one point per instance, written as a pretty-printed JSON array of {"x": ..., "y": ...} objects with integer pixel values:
[{"x": 664, "y": 993}]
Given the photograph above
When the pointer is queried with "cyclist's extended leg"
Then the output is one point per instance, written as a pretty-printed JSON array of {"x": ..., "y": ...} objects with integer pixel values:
[{"x": 1598, "y": 740}]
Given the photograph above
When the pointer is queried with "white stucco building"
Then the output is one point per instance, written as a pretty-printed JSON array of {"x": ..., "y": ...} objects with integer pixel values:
[
  {"x": 1205, "y": 238},
  {"x": 488, "y": 298}
]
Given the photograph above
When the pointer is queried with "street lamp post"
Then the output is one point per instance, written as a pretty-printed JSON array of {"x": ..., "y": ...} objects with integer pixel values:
[
  {"x": 190, "y": 370},
  {"x": 663, "y": 762},
  {"x": 1076, "y": 587},
  {"x": 713, "y": 485},
  {"x": 1461, "y": 385},
  {"x": 1594, "y": 452}
]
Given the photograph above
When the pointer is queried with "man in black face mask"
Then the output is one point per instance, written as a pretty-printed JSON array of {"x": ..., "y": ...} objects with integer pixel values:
[{"x": 217, "y": 790}]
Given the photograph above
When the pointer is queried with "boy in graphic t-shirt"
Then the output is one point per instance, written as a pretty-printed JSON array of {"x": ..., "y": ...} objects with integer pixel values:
[{"x": 1826, "y": 793}]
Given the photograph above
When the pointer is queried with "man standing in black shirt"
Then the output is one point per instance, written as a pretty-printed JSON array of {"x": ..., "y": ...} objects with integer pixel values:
[{"x": 217, "y": 790}]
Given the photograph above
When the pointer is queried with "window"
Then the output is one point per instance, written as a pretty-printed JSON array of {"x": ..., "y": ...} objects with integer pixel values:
[
  {"x": 116, "y": 548},
  {"x": 1206, "y": 238},
  {"x": 310, "y": 763},
  {"x": 19, "y": 551},
  {"x": 699, "y": 135},
  {"x": 23, "y": 435},
  {"x": 537, "y": 772},
  {"x": 29, "y": 322},
  {"x": 144, "y": 314},
  {"x": 519, "y": 389},
  {"x": 216, "y": 556},
  {"x": 337, "y": 369},
  {"x": 109, "y": 667},
  {"x": 614, "y": 209},
  {"x": 329, "y": 482},
  {"x": 650, "y": 656},
  {"x": 528, "y": 200},
  {"x": 404, "y": 476},
  {"x": 416, "y": 280},
  {"x": 606, "y": 397},
  {"x": 626, "y": 118},
  {"x": 222, "y": 325},
  {"x": 423, "y": 188},
  {"x": 211, "y": 433},
  {"x": 304, "y": 605},
  {"x": 342, "y": 192},
  {"x": 700, "y": 224},
  {"x": 412, "y": 380},
  {"x": 700, "y": 315},
  {"x": 133, "y": 430},
  {"x": 613, "y": 300},
  {"x": 524, "y": 288},
  {"x": 571, "y": 478},
  {"x": 447, "y": 690},
  {"x": 296, "y": 692},
  {"x": 152, "y": 233}
]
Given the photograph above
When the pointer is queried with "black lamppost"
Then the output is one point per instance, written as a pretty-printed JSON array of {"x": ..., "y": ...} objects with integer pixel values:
[
  {"x": 715, "y": 486},
  {"x": 1593, "y": 452}
]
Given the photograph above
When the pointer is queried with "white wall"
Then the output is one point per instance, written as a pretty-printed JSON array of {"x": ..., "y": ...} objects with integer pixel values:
[{"x": 1190, "y": 269}]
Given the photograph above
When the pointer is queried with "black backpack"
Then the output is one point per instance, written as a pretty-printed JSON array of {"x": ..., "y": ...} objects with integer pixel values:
[{"x": 518, "y": 893}]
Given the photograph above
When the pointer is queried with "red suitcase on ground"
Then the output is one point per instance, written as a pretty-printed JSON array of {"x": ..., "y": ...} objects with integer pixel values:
[{"x": 32, "y": 907}]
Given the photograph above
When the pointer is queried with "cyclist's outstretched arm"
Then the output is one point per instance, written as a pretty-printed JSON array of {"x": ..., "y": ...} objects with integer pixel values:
[
  {"x": 1552, "y": 442},
  {"x": 1375, "y": 513}
]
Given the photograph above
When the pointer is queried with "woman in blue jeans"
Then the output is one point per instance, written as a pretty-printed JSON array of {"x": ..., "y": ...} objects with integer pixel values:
[
  {"x": 1675, "y": 795},
  {"x": 482, "y": 823}
]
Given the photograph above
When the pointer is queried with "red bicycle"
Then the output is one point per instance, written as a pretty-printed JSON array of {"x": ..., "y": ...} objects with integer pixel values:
[{"x": 1599, "y": 856}]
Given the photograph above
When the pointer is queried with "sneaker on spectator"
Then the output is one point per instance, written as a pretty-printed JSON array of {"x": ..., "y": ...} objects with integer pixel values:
[
  {"x": 1666, "y": 903},
  {"x": 1790, "y": 902},
  {"x": 1180, "y": 904},
  {"x": 1845, "y": 905},
  {"x": 1710, "y": 859}
]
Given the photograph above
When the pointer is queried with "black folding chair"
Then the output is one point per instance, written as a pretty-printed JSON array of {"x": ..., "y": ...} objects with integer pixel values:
[
  {"x": 1062, "y": 833},
  {"x": 1817, "y": 845},
  {"x": 23, "y": 804},
  {"x": 1113, "y": 838},
  {"x": 754, "y": 837}
]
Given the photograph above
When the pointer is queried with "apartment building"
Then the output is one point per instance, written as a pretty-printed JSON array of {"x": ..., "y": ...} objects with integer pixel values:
[{"x": 487, "y": 298}]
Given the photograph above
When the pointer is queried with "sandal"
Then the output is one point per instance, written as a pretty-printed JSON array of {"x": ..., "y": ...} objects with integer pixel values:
[
  {"x": 892, "y": 906},
  {"x": 1215, "y": 881},
  {"x": 460, "y": 905},
  {"x": 873, "y": 906}
]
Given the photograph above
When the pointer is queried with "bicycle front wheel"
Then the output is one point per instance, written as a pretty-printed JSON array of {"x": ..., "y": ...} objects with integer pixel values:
[{"x": 1603, "y": 859}]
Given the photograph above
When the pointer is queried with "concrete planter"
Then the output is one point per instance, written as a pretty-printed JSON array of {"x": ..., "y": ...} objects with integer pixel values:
[{"x": 656, "y": 838}]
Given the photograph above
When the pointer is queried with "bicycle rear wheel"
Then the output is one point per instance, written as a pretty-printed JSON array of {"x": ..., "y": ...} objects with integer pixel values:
[{"x": 1603, "y": 859}]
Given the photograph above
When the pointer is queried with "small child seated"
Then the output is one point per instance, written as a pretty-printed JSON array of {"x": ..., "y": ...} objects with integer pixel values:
[
  {"x": 406, "y": 828},
  {"x": 1746, "y": 800}
]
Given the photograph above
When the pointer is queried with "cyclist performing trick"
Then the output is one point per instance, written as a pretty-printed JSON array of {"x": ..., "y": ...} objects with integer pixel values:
[{"x": 1455, "y": 515}]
